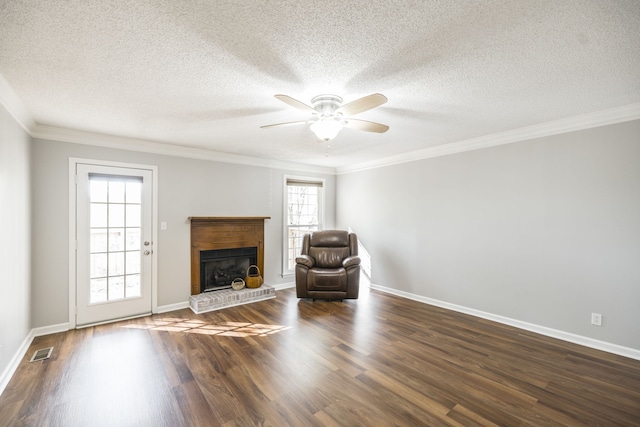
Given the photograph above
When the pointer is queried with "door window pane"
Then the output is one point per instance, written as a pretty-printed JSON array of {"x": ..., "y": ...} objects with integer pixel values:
[
  {"x": 98, "y": 290},
  {"x": 133, "y": 239},
  {"x": 98, "y": 215},
  {"x": 98, "y": 190},
  {"x": 132, "y": 285},
  {"x": 98, "y": 265},
  {"x": 98, "y": 240},
  {"x": 116, "y": 191},
  {"x": 134, "y": 192},
  {"x": 132, "y": 262},
  {"x": 116, "y": 263},
  {"x": 116, "y": 239},
  {"x": 116, "y": 215},
  {"x": 116, "y": 288},
  {"x": 133, "y": 216}
]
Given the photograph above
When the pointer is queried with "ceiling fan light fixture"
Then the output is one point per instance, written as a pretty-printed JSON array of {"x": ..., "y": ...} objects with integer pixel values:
[{"x": 326, "y": 128}]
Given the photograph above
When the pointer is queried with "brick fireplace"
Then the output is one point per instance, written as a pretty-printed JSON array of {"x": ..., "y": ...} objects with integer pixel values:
[{"x": 224, "y": 233}]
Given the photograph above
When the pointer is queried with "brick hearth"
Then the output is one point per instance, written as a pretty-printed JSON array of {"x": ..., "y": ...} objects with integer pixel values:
[{"x": 216, "y": 300}]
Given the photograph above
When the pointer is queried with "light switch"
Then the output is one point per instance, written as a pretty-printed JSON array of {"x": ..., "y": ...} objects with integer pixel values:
[{"x": 163, "y": 225}]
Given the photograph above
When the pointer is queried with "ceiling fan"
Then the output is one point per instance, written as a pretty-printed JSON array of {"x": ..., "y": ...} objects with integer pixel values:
[{"x": 329, "y": 115}]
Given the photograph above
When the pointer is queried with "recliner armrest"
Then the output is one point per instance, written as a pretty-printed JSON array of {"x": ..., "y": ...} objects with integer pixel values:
[
  {"x": 305, "y": 260},
  {"x": 350, "y": 261}
]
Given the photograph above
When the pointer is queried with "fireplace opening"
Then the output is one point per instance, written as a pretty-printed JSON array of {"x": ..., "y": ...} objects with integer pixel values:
[{"x": 219, "y": 267}]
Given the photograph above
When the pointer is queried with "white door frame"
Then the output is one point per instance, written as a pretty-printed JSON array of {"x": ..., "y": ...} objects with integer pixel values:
[{"x": 73, "y": 162}]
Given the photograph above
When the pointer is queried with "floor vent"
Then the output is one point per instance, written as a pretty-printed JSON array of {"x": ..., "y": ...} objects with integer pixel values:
[{"x": 42, "y": 354}]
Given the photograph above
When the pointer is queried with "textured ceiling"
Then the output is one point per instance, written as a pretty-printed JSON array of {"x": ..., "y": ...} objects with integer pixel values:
[{"x": 203, "y": 73}]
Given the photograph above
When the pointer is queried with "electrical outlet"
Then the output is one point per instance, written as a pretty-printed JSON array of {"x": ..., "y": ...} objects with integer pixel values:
[{"x": 596, "y": 319}]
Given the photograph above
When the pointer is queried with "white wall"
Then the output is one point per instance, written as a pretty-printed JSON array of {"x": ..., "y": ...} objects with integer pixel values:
[
  {"x": 545, "y": 231},
  {"x": 15, "y": 242},
  {"x": 187, "y": 187}
]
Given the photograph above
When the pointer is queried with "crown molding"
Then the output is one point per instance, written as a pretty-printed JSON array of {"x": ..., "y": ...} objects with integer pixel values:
[
  {"x": 19, "y": 112},
  {"x": 14, "y": 106},
  {"x": 131, "y": 144},
  {"x": 556, "y": 127}
]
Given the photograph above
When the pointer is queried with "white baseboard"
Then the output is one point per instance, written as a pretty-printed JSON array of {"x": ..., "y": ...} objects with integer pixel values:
[
  {"x": 282, "y": 286},
  {"x": 15, "y": 361},
  {"x": 52, "y": 329},
  {"x": 171, "y": 307},
  {"x": 542, "y": 330}
]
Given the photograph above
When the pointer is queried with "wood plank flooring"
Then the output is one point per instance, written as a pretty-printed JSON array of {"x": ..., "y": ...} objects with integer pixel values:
[{"x": 377, "y": 361}]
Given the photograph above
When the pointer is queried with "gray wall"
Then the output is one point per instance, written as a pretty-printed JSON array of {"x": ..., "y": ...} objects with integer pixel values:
[
  {"x": 545, "y": 231},
  {"x": 15, "y": 246},
  {"x": 187, "y": 187}
]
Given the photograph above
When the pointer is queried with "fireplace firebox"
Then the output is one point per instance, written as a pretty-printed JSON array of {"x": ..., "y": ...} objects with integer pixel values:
[{"x": 220, "y": 267}]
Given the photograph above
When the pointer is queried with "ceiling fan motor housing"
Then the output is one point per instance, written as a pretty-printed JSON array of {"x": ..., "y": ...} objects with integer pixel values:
[{"x": 326, "y": 105}]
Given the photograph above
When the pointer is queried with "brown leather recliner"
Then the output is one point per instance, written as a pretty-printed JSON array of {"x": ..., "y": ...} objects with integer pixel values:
[{"x": 329, "y": 266}]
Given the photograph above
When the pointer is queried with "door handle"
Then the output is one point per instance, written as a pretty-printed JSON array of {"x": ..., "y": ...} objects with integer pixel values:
[{"x": 147, "y": 252}]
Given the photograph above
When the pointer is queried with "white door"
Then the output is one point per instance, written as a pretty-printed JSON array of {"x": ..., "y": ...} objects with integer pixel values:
[{"x": 114, "y": 246}]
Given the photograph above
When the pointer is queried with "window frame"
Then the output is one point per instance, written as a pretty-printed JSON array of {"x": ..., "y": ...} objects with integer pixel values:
[{"x": 312, "y": 181}]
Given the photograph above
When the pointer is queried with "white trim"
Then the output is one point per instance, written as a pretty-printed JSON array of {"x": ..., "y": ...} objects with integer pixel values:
[
  {"x": 542, "y": 330},
  {"x": 73, "y": 162},
  {"x": 571, "y": 124},
  {"x": 283, "y": 286},
  {"x": 155, "y": 239},
  {"x": 172, "y": 307},
  {"x": 72, "y": 241},
  {"x": 51, "y": 329},
  {"x": 11, "y": 368},
  {"x": 168, "y": 149}
]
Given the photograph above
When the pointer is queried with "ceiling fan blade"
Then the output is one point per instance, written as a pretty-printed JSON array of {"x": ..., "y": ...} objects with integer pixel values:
[
  {"x": 362, "y": 104},
  {"x": 365, "y": 125},
  {"x": 295, "y": 103},
  {"x": 299, "y": 122}
]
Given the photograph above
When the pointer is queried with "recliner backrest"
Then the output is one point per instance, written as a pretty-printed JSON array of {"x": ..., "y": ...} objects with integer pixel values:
[{"x": 330, "y": 247}]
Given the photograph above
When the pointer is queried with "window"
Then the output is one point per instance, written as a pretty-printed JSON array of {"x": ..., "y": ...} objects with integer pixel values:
[{"x": 303, "y": 214}]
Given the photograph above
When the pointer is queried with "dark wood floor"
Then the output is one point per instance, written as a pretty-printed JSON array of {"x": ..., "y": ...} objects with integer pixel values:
[{"x": 376, "y": 361}]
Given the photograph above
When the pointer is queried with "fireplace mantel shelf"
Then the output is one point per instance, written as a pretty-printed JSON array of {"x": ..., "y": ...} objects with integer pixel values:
[{"x": 227, "y": 218}]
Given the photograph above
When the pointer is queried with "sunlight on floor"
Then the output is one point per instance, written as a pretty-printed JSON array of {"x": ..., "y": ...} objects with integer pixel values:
[{"x": 194, "y": 326}]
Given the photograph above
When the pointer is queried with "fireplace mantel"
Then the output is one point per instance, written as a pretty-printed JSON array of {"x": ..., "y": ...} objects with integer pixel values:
[{"x": 221, "y": 232}]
